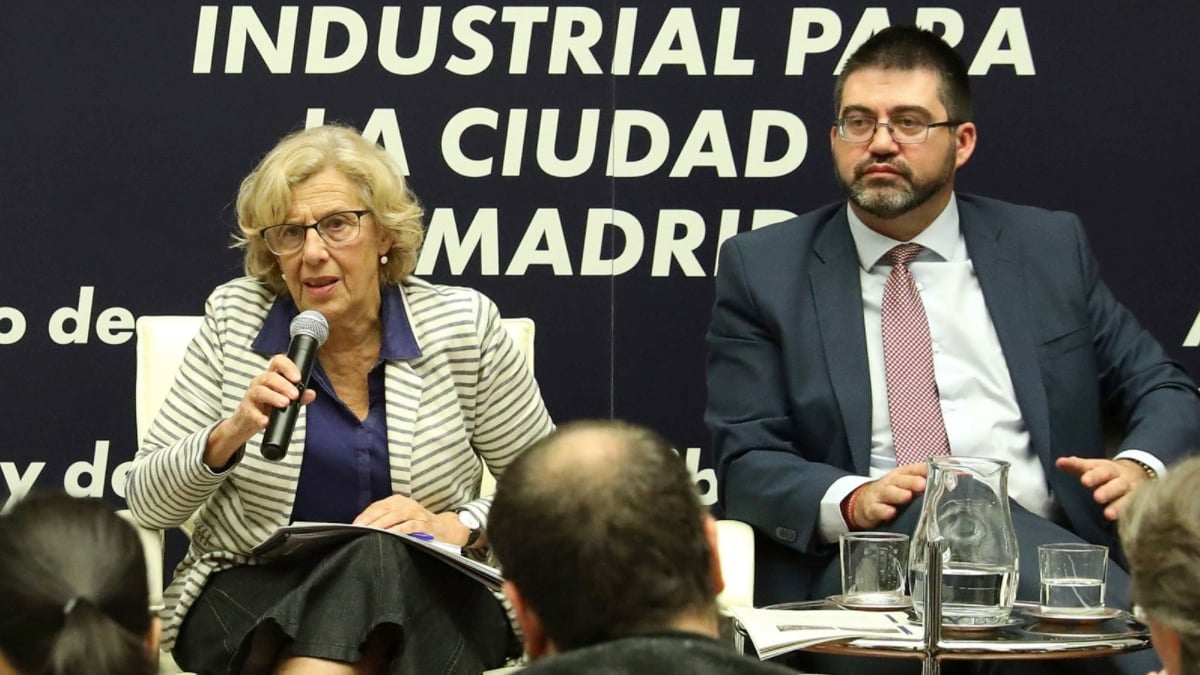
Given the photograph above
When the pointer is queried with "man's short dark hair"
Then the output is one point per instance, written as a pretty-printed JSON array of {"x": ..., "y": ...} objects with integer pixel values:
[
  {"x": 912, "y": 48},
  {"x": 600, "y": 528}
]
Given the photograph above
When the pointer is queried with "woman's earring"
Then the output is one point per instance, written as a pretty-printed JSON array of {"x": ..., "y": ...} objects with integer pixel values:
[{"x": 383, "y": 260}]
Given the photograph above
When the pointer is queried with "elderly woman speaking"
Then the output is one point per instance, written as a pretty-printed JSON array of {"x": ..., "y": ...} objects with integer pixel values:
[{"x": 415, "y": 384}]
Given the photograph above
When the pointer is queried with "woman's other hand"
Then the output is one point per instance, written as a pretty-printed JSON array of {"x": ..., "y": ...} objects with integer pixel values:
[
  {"x": 273, "y": 388},
  {"x": 402, "y": 514}
]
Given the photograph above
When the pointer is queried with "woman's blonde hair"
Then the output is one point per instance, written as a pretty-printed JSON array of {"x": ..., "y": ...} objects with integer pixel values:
[{"x": 266, "y": 195}]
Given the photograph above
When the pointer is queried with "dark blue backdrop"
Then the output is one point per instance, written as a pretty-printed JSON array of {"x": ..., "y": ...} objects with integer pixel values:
[{"x": 128, "y": 126}]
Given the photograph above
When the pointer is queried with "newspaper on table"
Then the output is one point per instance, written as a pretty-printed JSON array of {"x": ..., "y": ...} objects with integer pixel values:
[
  {"x": 302, "y": 537},
  {"x": 778, "y": 631}
]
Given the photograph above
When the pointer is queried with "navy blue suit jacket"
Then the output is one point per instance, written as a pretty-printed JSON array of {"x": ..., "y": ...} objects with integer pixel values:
[{"x": 789, "y": 393}]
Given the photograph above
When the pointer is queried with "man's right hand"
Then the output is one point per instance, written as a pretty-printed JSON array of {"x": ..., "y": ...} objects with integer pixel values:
[{"x": 878, "y": 500}]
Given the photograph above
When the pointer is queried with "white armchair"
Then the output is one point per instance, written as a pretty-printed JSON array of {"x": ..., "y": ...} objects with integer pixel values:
[{"x": 161, "y": 344}]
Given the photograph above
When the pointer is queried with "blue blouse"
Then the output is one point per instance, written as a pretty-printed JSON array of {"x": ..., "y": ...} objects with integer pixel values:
[{"x": 345, "y": 465}]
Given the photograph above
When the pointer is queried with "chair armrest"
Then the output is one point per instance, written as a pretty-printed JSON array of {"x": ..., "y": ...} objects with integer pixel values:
[
  {"x": 735, "y": 545},
  {"x": 152, "y": 546}
]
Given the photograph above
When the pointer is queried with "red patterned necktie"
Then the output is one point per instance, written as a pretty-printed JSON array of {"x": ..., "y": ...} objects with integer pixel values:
[{"x": 918, "y": 431}]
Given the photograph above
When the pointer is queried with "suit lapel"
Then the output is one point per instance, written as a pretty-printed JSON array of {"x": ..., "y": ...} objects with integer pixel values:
[
  {"x": 837, "y": 292},
  {"x": 1002, "y": 279}
]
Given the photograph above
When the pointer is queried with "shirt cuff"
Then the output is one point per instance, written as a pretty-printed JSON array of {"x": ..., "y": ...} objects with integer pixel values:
[
  {"x": 1145, "y": 458},
  {"x": 832, "y": 525}
]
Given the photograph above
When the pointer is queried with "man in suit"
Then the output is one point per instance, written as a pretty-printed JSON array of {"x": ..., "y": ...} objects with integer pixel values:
[
  {"x": 1025, "y": 350},
  {"x": 609, "y": 559}
]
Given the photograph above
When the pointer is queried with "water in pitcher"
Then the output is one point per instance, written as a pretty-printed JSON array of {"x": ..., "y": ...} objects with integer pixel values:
[{"x": 971, "y": 594}]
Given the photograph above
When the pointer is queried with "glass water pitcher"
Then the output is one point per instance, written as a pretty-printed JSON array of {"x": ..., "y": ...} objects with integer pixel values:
[{"x": 966, "y": 503}]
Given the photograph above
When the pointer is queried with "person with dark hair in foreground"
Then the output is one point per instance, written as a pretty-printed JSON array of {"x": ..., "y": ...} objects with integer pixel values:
[
  {"x": 73, "y": 593},
  {"x": 609, "y": 559},
  {"x": 1160, "y": 531},
  {"x": 850, "y": 344}
]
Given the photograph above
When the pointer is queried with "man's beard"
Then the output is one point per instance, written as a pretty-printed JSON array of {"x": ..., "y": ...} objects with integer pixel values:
[{"x": 895, "y": 198}]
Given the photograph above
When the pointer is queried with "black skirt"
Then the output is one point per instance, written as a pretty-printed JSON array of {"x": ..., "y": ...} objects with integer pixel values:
[{"x": 325, "y": 606}]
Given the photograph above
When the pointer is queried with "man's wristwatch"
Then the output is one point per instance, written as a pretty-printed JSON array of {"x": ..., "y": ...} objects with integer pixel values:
[
  {"x": 1151, "y": 474},
  {"x": 471, "y": 522}
]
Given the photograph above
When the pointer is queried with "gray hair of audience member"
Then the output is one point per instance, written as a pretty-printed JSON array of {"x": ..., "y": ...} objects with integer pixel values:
[
  {"x": 912, "y": 48},
  {"x": 600, "y": 528},
  {"x": 1160, "y": 533},
  {"x": 73, "y": 588},
  {"x": 266, "y": 196}
]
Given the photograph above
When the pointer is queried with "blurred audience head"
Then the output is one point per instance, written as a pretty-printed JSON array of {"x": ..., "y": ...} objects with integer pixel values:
[
  {"x": 266, "y": 195},
  {"x": 73, "y": 591},
  {"x": 601, "y": 534},
  {"x": 1160, "y": 532}
]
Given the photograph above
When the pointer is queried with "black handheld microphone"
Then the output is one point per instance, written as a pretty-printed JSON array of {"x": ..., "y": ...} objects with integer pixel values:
[{"x": 309, "y": 331}]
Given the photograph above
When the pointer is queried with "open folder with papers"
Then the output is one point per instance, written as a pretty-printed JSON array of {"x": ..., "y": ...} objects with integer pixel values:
[{"x": 307, "y": 537}]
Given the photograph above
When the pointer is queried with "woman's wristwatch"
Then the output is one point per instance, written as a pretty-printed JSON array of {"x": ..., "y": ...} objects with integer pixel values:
[{"x": 471, "y": 522}]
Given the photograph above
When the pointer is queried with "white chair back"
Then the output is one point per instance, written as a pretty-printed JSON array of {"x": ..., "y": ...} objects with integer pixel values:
[
  {"x": 161, "y": 344},
  {"x": 522, "y": 331}
]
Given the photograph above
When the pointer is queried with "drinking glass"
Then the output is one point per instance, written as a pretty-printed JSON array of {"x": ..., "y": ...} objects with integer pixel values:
[
  {"x": 1073, "y": 578},
  {"x": 874, "y": 568}
]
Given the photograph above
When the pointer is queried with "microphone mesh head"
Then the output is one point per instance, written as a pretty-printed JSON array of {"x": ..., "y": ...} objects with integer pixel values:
[{"x": 311, "y": 323}]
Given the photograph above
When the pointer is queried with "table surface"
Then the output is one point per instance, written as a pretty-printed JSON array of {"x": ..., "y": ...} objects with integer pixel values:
[{"x": 1028, "y": 638}]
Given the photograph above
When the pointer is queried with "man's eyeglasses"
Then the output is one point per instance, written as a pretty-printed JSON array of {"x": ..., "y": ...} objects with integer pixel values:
[
  {"x": 907, "y": 130},
  {"x": 336, "y": 229}
]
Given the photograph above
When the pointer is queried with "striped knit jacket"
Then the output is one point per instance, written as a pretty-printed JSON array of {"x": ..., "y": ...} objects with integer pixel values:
[{"x": 467, "y": 397}]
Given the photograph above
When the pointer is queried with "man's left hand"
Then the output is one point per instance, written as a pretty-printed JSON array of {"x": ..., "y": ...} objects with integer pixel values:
[{"x": 1111, "y": 481}]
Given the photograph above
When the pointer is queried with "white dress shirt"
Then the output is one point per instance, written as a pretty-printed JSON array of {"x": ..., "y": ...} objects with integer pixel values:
[{"x": 975, "y": 391}]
